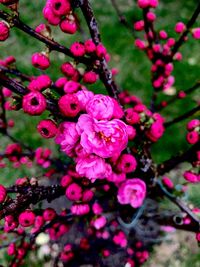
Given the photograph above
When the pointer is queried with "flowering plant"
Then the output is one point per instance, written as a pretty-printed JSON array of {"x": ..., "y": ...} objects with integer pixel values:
[{"x": 109, "y": 185}]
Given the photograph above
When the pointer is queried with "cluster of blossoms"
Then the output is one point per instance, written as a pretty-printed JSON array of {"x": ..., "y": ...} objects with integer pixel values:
[
  {"x": 159, "y": 47},
  {"x": 193, "y": 135},
  {"x": 96, "y": 141}
]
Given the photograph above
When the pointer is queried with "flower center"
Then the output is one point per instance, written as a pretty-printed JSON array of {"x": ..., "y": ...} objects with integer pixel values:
[{"x": 102, "y": 136}]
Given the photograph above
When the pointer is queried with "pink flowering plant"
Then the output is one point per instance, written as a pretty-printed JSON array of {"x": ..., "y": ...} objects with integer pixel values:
[{"x": 104, "y": 173}]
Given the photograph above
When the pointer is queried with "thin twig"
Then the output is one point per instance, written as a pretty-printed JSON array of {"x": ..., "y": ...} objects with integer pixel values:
[{"x": 182, "y": 117}]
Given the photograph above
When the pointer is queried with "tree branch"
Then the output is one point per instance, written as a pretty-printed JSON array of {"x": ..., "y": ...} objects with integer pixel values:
[
  {"x": 182, "y": 117},
  {"x": 171, "y": 163},
  {"x": 15, "y": 20},
  {"x": 189, "y": 25},
  {"x": 32, "y": 195},
  {"x": 195, "y": 220},
  {"x": 104, "y": 73}
]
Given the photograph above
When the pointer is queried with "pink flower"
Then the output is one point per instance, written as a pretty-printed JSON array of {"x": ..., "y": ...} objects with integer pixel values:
[
  {"x": 4, "y": 31},
  {"x": 69, "y": 25},
  {"x": 99, "y": 223},
  {"x": 192, "y": 137},
  {"x": 140, "y": 44},
  {"x": 68, "y": 69},
  {"x": 50, "y": 16},
  {"x": 93, "y": 167},
  {"x": 47, "y": 128},
  {"x": 49, "y": 214},
  {"x": 90, "y": 46},
  {"x": 67, "y": 137},
  {"x": 77, "y": 49},
  {"x": 73, "y": 192},
  {"x": 69, "y": 105},
  {"x": 168, "y": 182},
  {"x": 80, "y": 209},
  {"x": 180, "y": 27},
  {"x": 117, "y": 177},
  {"x": 193, "y": 124},
  {"x": 120, "y": 239},
  {"x": 143, "y": 3},
  {"x": 100, "y": 107},
  {"x": 191, "y": 177},
  {"x": 90, "y": 77},
  {"x": 40, "y": 61},
  {"x": 156, "y": 131},
  {"x": 103, "y": 138},
  {"x": 139, "y": 25},
  {"x": 71, "y": 87},
  {"x": 196, "y": 33},
  {"x": 97, "y": 209},
  {"x": 59, "y": 7},
  {"x": 84, "y": 96},
  {"x": 127, "y": 163},
  {"x": 132, "y": 192},
  {"x": 34, "y": 103},
  {"x": 3, "y": 193},
  {"x": 26, "y": 218},
  {"x": 118, "y": 112}
]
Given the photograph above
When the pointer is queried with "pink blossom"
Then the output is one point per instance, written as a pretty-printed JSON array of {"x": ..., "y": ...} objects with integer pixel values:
[
  {"x": 84, "y": 96},
  {"x": 26, "y": 218},
  {"x": 97, "y": 209},
  {"x": 74, "y": 192},
  {"x": 193, "y": 124},
  {"x": 3, "y": 193},
  {"x": 103, "y": 138},
  {"x": 191, "y": 177},
  {"x": 116, "y": 177},
  {"x": 156, "y": 131},
  {"x": 120, "y": 239},
  {"x": 90, "y": 46},
  {"x": 100, "y": 107},
  {"x": 93, "y": 167},
  {"x": 132, "y": 192},
  {"x": 80, "y": 209},
  {"x": 196, "y": 33},
  {"x": 99, "y": 223},
  {"x": 192, "y": 137},
  {"x": 67, "y": 137},
  {"x": 168, "y": 182},
  {"x": 180, "y": 27},
  {"x": 4, "y": 31},
  {"x": 127, "y": 163}
]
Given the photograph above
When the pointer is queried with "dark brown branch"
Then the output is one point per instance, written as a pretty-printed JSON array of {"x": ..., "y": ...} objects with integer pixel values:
[
  {"x": 15, "y": 72},
  {"x": 174, "y": 98},
  {"x": 33, "y": 195},
  {"x": 15, "y": 20},
  {"x": 182, "y": 117},
  {"x": 104, "y": 73},
  {"x": 21, "y": 90},
  {"x": 189, "y": 25},
  {"x": 177, "y": 201},
  {"x": 189, "y": 156},
  {"x": 176, "y": 220},
  {"x": 122, "y": 18}
]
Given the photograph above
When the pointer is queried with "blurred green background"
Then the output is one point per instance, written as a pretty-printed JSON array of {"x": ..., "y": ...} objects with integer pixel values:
[{"x": 134, "y": 72}]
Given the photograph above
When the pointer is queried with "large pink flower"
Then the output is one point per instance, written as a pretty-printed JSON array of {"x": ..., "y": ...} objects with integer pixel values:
[
  {"x": 132, "y": 192},
  {"x": 100, "y": 107},
  {"x": 67, "y": 137},
  {"x": 93, "y": 167},
  {"x": 103, "y": 138}
]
